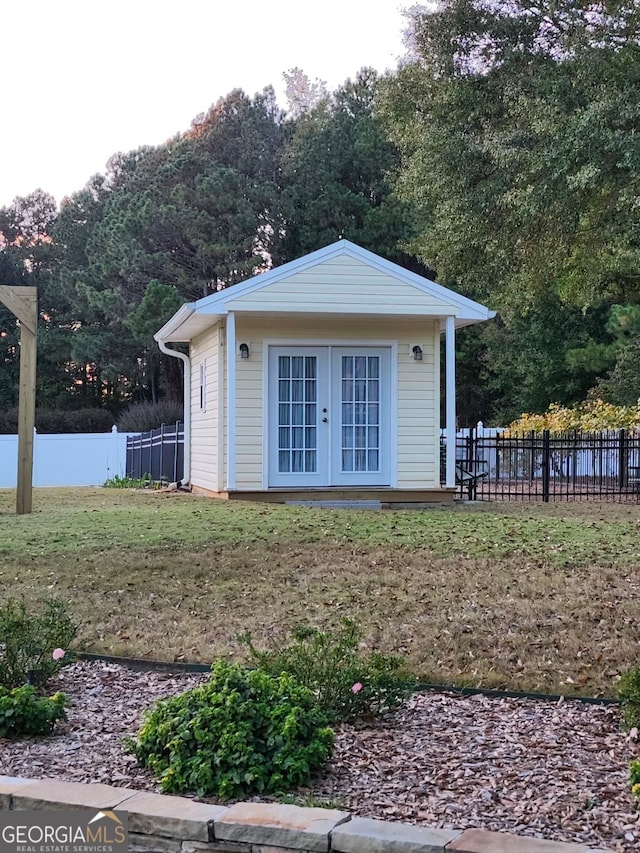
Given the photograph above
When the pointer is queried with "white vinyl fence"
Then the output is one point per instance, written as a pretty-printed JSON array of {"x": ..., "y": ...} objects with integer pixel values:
[
  {"x": 590, "y": 454},
  {"x": 75, "y": 459}
]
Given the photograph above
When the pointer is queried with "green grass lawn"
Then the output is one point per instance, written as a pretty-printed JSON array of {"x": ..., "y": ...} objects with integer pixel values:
[{"x": 541, "y": 597}]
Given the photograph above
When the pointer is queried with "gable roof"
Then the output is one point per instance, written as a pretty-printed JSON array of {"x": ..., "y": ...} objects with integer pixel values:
[{"x": 195, "y": 317}]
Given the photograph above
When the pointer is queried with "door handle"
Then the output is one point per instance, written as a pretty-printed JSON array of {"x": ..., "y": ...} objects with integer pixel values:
[{"x": 325, "y": 420}]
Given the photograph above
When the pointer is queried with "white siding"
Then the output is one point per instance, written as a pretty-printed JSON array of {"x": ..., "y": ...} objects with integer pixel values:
[
  {"x": 204, "y": 424},
  {"x": 343, "y": 286}
]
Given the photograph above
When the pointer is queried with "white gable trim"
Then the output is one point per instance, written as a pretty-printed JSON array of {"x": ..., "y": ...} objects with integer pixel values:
[
  {"x": 181, "y": 316},
  {"x": 193, "y": 317},
  {"x": 216, "y": 303}
]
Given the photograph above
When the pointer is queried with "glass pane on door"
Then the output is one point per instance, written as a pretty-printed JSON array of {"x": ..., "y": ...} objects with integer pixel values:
[
  {"x": 360, "y": 404},
  {"x": 297, "y": 414}
]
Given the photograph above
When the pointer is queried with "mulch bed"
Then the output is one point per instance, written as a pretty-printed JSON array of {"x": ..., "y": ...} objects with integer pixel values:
[{"x": 555, "y": 770}]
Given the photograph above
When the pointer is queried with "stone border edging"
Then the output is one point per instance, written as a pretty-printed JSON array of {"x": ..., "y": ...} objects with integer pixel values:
[{"x": 163, "y": 824}]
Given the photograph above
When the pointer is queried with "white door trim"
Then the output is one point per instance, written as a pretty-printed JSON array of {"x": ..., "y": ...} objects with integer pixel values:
[{"x": 328, "y": 342}]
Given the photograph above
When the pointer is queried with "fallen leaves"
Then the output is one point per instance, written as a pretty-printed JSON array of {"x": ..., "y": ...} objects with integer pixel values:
[{"x": 551, "y": 770}]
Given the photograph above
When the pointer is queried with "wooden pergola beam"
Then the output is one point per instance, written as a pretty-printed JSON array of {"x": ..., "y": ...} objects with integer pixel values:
[{"x": 23, "y": 302}]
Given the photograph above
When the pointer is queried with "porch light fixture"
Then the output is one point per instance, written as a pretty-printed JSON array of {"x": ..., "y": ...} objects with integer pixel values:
[
  {"x": 417, "y": 352},
  {"x": 244, "y": 350}
]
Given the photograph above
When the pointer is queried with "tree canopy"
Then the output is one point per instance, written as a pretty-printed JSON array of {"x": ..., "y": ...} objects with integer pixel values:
[
  {"x": 517, "y": 125},
  {"x": 501, "y": 157}
]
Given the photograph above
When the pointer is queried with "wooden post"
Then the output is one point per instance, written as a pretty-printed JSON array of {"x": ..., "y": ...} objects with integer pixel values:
[{"x": 23, "y": 302}]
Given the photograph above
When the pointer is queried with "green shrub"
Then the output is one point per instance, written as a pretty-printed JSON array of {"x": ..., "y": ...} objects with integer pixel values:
[
  {"x": 634, "y": 777},
  {"x": 629, "y": 693},
  {"x": 24, "y": 712},
  {"x": 242, "y": 732},
  {"x": 144, "y": 482},
  {"x": 141, "y": 417},
  {"x": 60, "y": 421},
  {"x": 347, "y": 684},
  {"x": 77, "y": 421},
  {"x": 31, "y": 642},
  {"x": 9, "y": 422}
]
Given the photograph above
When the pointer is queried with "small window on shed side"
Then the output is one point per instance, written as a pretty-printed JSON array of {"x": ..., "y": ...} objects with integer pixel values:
[{"x": 203, "y": 386}]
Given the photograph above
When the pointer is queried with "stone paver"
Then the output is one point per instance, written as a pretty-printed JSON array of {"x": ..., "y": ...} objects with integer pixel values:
[
  {"x": 174, "y": 817},
  {"x": 366, "y": 835},
  {"x": 482, "y": 841},
  {"x": 153, "y": 844},
  {"x": 54, "y": 794},
  {"x": 279, "y": 825},
  {"x": 8, "y": 786},
  {"x": 219, "y": 847}
]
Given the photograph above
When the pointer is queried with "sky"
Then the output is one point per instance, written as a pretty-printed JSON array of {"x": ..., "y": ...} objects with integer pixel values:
[{"x": 84, "y": 79}]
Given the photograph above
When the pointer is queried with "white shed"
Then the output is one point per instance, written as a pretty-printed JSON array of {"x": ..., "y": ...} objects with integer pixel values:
[{"x": 320, "y": 379}]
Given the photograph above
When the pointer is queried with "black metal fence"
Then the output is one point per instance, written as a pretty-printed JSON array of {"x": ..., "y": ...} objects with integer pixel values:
[
  {"x": 158, "y": 454},
  {"x": 548, "y": 466}
]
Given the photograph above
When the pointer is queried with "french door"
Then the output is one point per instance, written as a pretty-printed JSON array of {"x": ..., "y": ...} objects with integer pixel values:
[{"x": 328, "y": 416}]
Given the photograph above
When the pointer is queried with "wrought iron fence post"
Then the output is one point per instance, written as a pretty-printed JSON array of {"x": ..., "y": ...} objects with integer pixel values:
[
  {"x": 546, "y": 460},
  {"x": 532, "y": 456},
  {"x": 473, "y": 456},
  {"x": 175, "y": 453},
  {"x": 138, "y": 458},
  {"x": 623, "y": 465},
  {"x": 161, "y": 473},
  {"x": 465, "y": 465}
]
